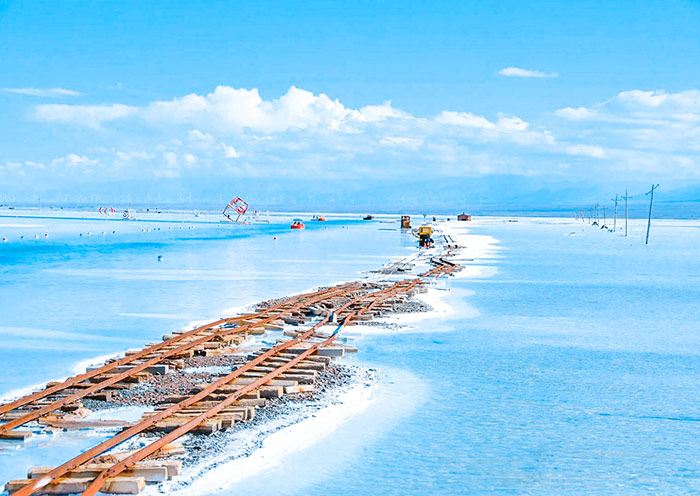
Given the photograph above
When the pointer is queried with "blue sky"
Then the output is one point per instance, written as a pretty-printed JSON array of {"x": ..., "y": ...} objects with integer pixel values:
[{"x": 518, "y": 101}]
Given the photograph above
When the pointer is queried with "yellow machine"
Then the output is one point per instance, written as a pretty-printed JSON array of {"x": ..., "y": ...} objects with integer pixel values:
[{"x": 425, "y": 238}]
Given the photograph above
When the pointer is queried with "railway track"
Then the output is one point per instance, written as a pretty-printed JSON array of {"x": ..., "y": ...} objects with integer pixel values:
[
  {"x": 288, "y": 367},
  {"x": 30, "y": 408}
]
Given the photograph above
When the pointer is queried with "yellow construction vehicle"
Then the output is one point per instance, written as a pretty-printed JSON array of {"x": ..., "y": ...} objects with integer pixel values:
[{"x": 425, "y": 238}]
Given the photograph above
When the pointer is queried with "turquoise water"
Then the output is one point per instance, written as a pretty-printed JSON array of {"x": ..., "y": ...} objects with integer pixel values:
[
  {"x": 67, "y": 298},
  {"x": 72, "y": 298},
  {"x": 570, "y": 367},
  {"x": 581, "y": 374}
]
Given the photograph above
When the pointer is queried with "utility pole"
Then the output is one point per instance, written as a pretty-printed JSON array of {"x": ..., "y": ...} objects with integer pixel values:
[
  {"x": 651, "y": 203},
  {"x": 605, "y": 218},
  {"x": 596, "y": 217},
  {"x": 615, "y": 214},
  {"x": 626, "y": 198}
]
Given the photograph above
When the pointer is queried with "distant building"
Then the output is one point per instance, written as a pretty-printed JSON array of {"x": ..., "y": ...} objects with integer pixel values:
[{"x": 464, "y": 217}]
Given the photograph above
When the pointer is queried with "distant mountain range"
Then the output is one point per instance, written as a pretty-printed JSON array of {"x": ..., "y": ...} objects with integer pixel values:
[{"x": 494, "y": 194}]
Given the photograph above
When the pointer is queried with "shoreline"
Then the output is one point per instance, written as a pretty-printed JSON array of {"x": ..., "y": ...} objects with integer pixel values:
[
  {"x": 126, "y": 409},
  {"x": 216, "y": 476},
  {"x": 376, "y": 274}
]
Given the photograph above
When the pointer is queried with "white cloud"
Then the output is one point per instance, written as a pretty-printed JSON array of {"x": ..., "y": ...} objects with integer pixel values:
[
  {"x": 231, "y": 110},
  {"x": 512, "y": 129},
  {"x": 657, "y": 99},
  {"x": 518, "y": 72},
  {"x": 575, "y": 114},
  {"x": 75, "y": 160},
  {"x": 638, "y": 133},
  {"x": 130, "y": 156},
  {"x": 464, "y": 119},
  {"x": 25, "y": 164},
  {"x": 375, "y": 113},
  {"x": 199, "y": 139},
  {"x": 87, "y": 115},
  {"x": 586, "y": 150},
  {"x": 641, "y": 107},
  {"x": 170, "y": 159},
  {"x": 511, "y": 124},
  {"x": 190, "y": 158},
  {"x": 305, "y": 133},
  {"x": 205, "y": 142},
  {"x": 399, "y": 141},
  {"x": 43, "y": 92},
  {"x": 229, "y": 151}
]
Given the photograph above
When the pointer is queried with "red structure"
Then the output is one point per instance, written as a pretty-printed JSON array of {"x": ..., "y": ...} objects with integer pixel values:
[
  {"x": 237, "y": 205},
  {"x": 464, "y": 217}
]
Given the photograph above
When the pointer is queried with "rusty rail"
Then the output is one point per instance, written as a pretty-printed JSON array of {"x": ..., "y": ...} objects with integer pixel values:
[
  {"x": 119, "y": 467},
  {"x": 72, "y": 381},
  {"x": 35, "y": 414},
  {"x": 145, "y": 424},
  {"x": 94, "y": 487}
]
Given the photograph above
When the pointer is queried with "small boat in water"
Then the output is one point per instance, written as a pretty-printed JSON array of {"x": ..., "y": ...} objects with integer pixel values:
[
  {"x": 318, "y": 218},
  {"x": 368, "y": 217},
  {"x": 298, "y": 224}
]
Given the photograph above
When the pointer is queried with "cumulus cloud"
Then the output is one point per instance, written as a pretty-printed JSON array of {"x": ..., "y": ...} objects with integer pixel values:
[
  {"x": 237, "y": 131},
  {"x": 43, "y": 92},
  {"x": 642, "y": 107},
  {"x": 377, "y": 113},
  {"x": 75, "y": 160},
  {"x": 503, "y": 124},
  {"x": 199, "y": 139},
  {"x": 637, "y": 132},
  {"x": 575, "y": 114},
  {"x": 464, "y": 119},
  {"x": 512, "y": 129},
  {"x": 87, "y": 115},
  {"x": 313, "y": 128},
  {"x": 526, "y": 73},
  {"x": 229, "y": 151},
  {"x": 233, "y": 110},
  {"x": 586, "y": 150},
  {"x": 660, "y": 99},
  {"x": 133, "y": 155},
  {"x": 511, "y": 124},
  {"x": 400, "y": 141},
  {"x": 205, "y": 142}
]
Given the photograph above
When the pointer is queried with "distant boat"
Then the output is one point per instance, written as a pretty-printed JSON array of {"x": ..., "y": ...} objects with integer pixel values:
[
  {"x": 318, "y": 218},
  {"x": 298, "y": 224},
  {"x": 368, "y": 217}
]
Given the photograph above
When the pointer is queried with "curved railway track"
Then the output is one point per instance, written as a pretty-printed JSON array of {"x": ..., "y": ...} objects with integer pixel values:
[{"x": 216, "y": 398}]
